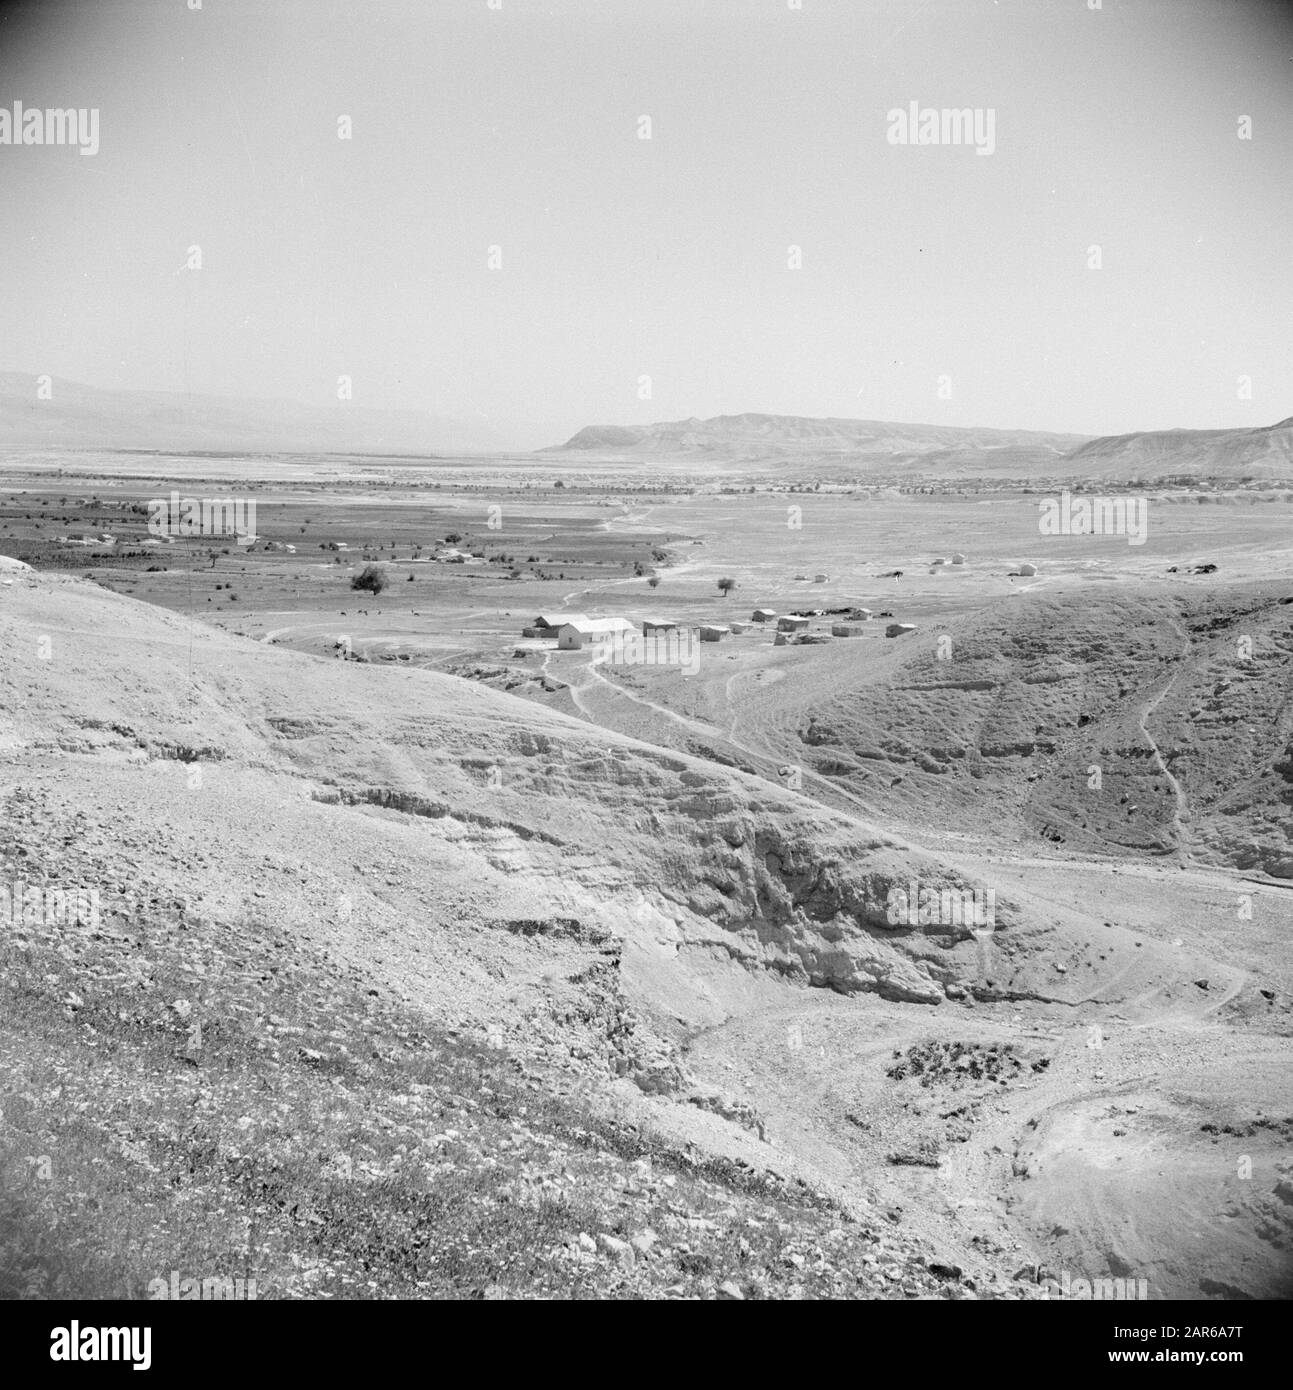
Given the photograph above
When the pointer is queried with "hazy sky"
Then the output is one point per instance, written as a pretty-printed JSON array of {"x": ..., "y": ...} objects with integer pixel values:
[{"x": 667, "y": 257}]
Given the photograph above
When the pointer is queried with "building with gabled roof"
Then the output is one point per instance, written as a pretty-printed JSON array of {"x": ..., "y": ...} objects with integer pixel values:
[
  {"x": 558, "y": 620},
  {"x": 573, "y": 636}
]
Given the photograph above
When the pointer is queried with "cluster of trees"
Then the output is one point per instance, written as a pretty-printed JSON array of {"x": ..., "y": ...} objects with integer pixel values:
[{"x": 371, "y": 579}]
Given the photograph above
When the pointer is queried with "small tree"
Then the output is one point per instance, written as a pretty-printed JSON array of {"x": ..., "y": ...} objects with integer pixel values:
[
  {"x": 726, "y": 586},
  {"x": 654, "y": 581},
  {"x": 372, "y": 578}
]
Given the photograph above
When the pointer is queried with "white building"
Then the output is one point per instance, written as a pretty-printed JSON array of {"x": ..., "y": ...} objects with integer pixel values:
[{"x": 573, "y": 636}]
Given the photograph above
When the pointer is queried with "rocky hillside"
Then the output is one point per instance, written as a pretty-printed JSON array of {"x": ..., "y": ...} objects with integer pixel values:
[
  {"x": 221, "y": 1099},
  {"x": 530, "y": 813},
  {"x": 397, "y": 968},
  {"x": 1150, "y": 723},
  {"x": 398, "y": 985},
  {"x": 1264, "y": 452}
]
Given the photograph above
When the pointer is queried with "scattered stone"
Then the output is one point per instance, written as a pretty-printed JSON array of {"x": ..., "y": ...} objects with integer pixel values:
[
  {"x": 619, "y": 1249},
  {"x": 644, "y": 1242}
]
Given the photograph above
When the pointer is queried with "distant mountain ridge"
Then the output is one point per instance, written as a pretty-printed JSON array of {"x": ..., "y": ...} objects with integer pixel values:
[
  {"x": 755, "y": 434},
  {"x": 80, "y": 416},
  {"x": 1256, "y": 452},
  {"x": 1265, "y": 449}
]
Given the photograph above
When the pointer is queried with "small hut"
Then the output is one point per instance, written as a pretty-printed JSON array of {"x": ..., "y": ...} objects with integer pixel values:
[{"x": 553, "y": 622}]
